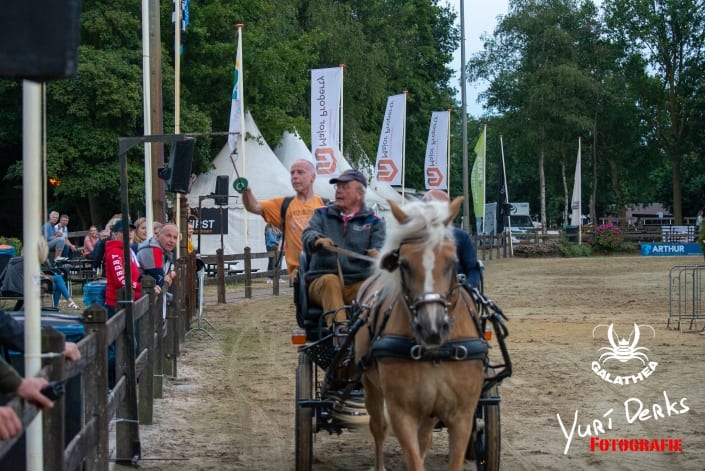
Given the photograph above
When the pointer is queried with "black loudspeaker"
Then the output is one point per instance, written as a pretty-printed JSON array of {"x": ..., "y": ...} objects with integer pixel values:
[
  {"x": 222, "y": 184},
  {"x": 180, "y": 160},
  {"x": 39, "y": 39}
]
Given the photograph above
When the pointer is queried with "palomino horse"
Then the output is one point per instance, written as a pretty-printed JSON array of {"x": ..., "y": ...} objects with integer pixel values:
[{"x": 420, "y": 345}]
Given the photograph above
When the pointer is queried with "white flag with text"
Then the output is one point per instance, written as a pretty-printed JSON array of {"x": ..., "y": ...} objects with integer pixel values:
[
  {"x": 436, "y": 162},
  {"x": 390, "y": 152},
  {"x": 326, "y": 86}
]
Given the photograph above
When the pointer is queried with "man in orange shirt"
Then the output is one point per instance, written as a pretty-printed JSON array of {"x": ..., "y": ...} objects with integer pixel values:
[{"x": 298, "y": 213}]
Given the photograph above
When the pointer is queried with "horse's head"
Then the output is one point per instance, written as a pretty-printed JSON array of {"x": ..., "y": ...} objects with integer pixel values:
[{"x": 422, "y": 253}]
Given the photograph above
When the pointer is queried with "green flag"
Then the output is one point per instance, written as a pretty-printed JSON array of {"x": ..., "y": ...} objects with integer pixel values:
[{"x": 477, "y": 177}]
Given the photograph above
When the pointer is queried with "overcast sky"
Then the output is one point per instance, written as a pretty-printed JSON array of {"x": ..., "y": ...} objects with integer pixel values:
[{"x": 480, "y": 17}]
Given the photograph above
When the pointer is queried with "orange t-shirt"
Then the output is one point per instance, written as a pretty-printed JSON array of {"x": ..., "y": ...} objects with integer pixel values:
[{"x": 297, "y": 216}]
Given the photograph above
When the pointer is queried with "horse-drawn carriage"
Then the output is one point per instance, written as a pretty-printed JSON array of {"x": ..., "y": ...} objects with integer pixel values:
[{"x": 446, "y": 350}]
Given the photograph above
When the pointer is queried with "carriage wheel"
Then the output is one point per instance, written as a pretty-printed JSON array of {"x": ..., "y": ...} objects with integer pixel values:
[
  {"x": 304, "y": 415},
  {"x": 485, "y": 442}
]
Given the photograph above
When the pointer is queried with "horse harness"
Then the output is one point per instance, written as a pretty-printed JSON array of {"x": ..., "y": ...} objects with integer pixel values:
[{"x": 395, "y": 346}]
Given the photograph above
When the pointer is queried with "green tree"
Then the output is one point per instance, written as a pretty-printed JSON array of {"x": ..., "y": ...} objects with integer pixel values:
[{"x": 669, "y": 34}]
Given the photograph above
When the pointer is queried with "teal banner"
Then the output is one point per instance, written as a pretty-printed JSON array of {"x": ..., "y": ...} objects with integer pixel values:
[{"x": 669, "y": 249}]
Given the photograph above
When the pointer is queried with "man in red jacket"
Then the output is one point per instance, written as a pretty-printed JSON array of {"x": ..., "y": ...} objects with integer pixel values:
[{"x": 115, "y": 268}]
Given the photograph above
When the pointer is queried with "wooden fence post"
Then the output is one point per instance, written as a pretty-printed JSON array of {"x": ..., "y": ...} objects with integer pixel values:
[
  {"x": 171, "y": 341},
  {"x": 248, "y": 273},
  {"x": 53, "y": 419},
  {"x": 159, "y": 325},
  {"x": 179, "y": 292},
  {"x": 95, "y": 387},
  {"x": 275, "y": 275},
  {"x": 146, "y": 380},
  {"x": 221, "y": 276}
]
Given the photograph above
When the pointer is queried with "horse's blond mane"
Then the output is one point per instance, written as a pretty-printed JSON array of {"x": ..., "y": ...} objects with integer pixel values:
[{"x": 426, "y": 221}]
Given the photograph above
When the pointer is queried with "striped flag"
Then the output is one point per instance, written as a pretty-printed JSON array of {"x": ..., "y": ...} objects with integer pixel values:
[
  {"x": 477, "y": 177},
  {"x": 576, "y": 203},
  {"x": 185, "y": 17},
  {"x": 236, "y": 110}
]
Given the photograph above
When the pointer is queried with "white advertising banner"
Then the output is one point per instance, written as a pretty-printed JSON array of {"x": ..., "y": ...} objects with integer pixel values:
[
  {"x": 436, "y": 163},
  {"x": 326, "y": 85},
  {"x": 389, "y": 167}
]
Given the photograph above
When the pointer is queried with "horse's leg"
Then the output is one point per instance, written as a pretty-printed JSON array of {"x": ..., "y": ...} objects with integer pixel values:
[
  {"x": 458, "y": 438},
  {"x": 426, "y": 435},
  {"x": 406, "y": 429},
  {"x": 374, "y": 402}
]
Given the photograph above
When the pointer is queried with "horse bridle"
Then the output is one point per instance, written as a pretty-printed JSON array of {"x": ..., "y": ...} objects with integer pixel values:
[{"x": 427, "y": 298}]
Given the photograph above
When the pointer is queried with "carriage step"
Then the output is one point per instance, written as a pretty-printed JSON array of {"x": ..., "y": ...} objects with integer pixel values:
[{"x": 489, "y": 401}]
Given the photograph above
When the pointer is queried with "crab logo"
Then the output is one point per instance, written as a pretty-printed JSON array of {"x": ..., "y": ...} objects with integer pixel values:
[{"x": 623, "y": 350}]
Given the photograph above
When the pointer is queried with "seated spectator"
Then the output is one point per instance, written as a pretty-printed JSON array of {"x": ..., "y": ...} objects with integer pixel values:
[
  {"x": 13, "y": 284},
  {"x": 89, "y": 242},
  {"x": 54, "y": 238},
  {"x": 63, "y": 228}
]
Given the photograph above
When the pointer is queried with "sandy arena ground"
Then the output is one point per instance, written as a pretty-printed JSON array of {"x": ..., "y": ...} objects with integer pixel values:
[{"x": 232, "y": 405}]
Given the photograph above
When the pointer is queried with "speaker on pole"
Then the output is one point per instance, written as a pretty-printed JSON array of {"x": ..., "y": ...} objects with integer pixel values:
[
  {"x": 222, "y": 184},
  {"x": 180, "y": 161},
  {"x": 39, "y": 39}
]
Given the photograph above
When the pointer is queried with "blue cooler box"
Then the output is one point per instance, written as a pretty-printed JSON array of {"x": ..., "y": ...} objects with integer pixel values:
[{"x": 94, "y": 292}]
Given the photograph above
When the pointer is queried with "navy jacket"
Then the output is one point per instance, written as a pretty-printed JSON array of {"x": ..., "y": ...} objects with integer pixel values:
[{"x": 362, "y": 232}]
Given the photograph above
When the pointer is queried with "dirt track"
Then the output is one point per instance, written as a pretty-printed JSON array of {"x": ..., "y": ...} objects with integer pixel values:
[{"x": 232, "y": 405}]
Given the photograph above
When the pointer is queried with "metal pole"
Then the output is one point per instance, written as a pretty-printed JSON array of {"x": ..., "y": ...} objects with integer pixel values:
[
  {"x": 131, "y": 393},
  {"x": 466, "y": 192},
  {"x": 31, "y": 152}
]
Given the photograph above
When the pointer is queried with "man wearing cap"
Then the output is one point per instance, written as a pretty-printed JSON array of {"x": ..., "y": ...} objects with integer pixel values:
[
  {"x": 115, "y": 268},
  {"x": 298, "y": 212},
  {"x": 348, "y": 223}
]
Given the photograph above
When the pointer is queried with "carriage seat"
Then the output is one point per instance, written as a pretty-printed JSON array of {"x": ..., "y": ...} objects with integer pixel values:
[{"x": 308, "y": 317}]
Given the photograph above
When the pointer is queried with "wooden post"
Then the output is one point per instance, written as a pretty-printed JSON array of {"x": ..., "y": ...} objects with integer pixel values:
[
  {"x": 53, "y": 419},
  {"x": 248, "y": 273},
  {"x": 275, "y": 276},
  {"x": 179, "y": 292},
  {"x": 95, "y": 387},
  {"x": 148, "y": 284},
  {"x": 221, "y": 276},
  {"x": 171, "y": 341},
  {"x": 146, "y": 380}
]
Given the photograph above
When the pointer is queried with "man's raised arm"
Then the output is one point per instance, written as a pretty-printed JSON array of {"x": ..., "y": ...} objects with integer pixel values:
[{"x": 250, "y": 202}]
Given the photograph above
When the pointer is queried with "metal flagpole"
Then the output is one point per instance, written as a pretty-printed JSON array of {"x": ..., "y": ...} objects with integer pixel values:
[
  {"x": 177, "y": 106},
  {"x": 147, "y": 100},
  {"x": 243, "y": 131},
  {"x": 506, "y": 195},
  {"x": 340, "y": 118},
  {"x": 466, "y": 173}
]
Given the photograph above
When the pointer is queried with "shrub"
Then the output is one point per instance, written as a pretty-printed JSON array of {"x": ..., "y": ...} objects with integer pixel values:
[
  {"x": 570, "y": 250},
  {"x": 608, "y": 237}
]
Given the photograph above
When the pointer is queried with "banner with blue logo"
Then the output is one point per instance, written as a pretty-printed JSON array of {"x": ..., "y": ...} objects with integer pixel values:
[{"x": 669, "y": 249}]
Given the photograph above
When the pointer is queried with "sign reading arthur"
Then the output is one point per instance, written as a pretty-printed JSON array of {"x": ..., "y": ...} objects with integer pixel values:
[{"x": 623, "y": 362}]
